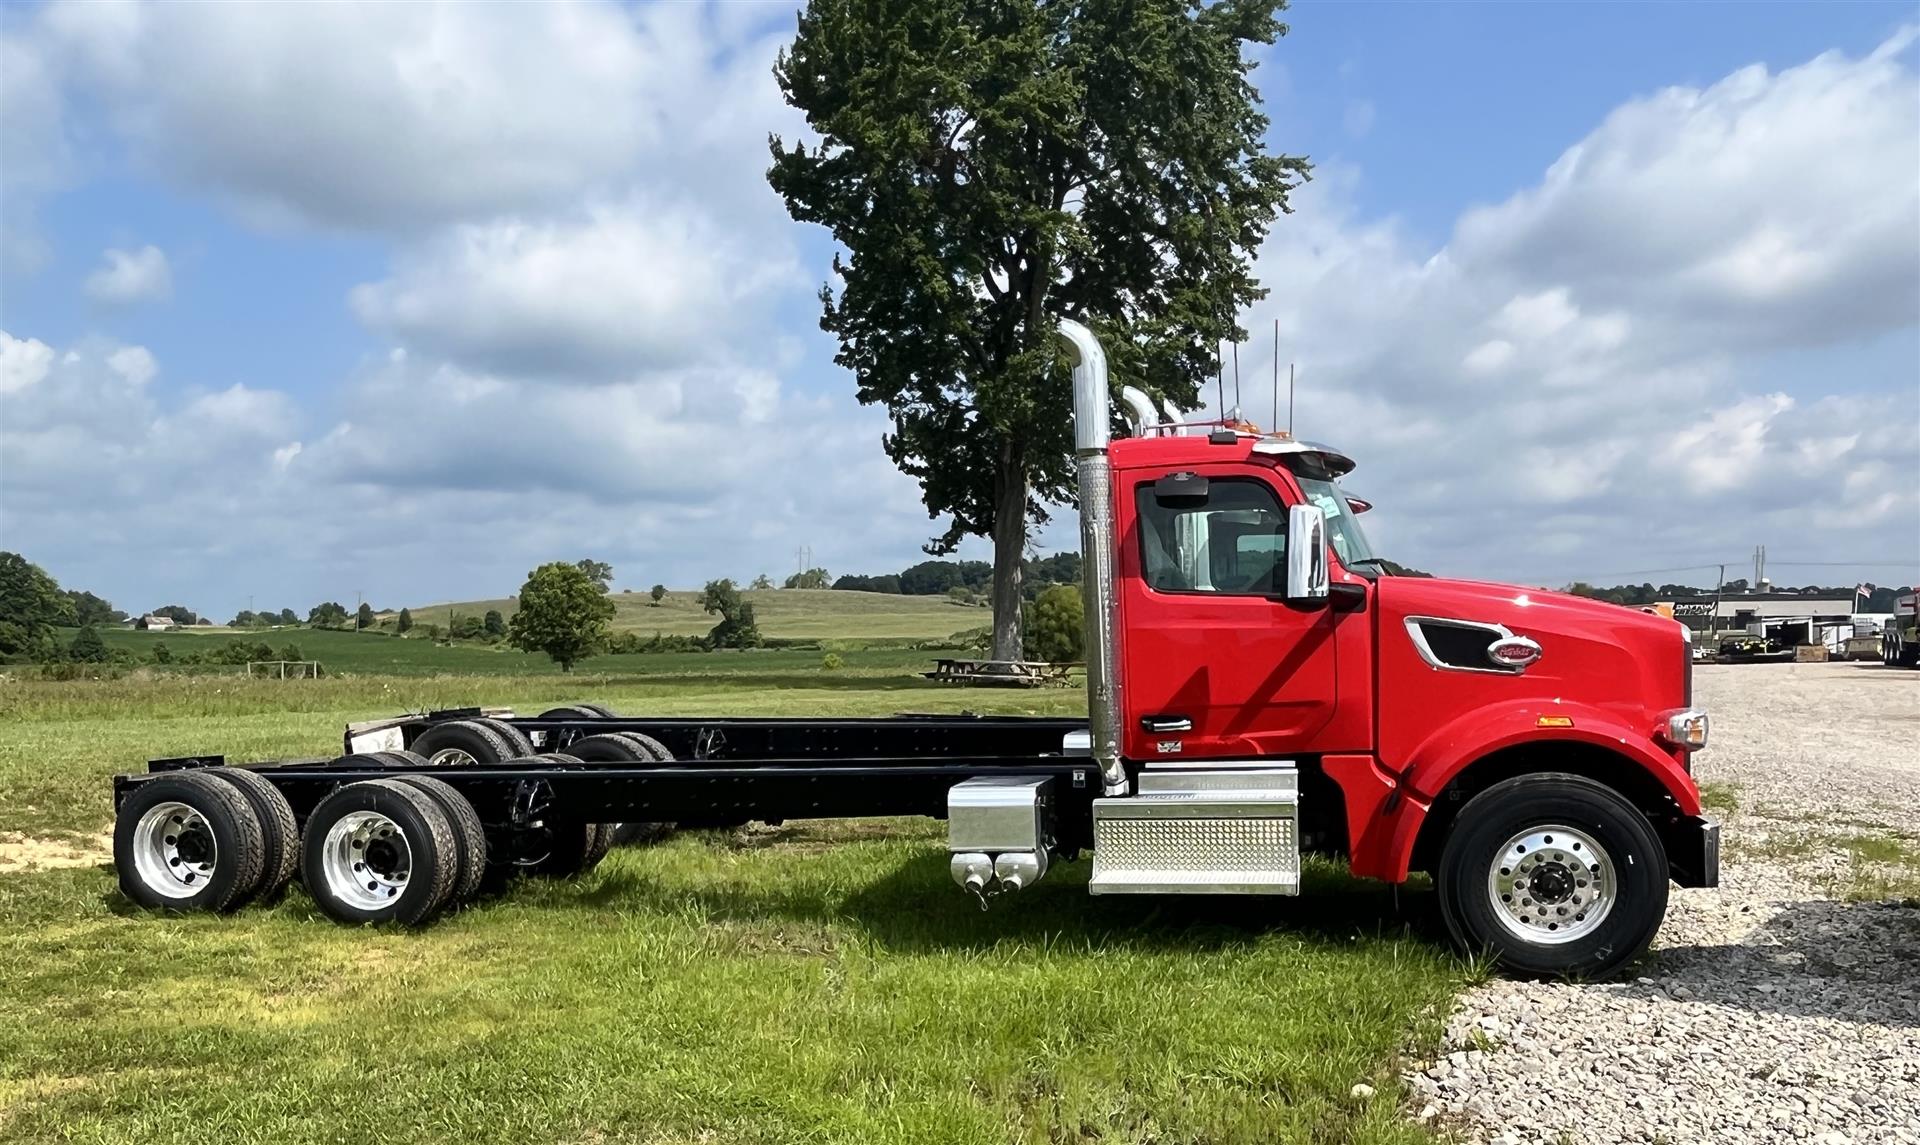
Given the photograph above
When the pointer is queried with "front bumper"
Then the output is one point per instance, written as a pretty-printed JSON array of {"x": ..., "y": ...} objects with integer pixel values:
[{"x": 1693, "y": 851}]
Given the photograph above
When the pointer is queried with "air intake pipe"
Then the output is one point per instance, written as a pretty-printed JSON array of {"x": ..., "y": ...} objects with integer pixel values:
[{"x": 1091, "y": 426}]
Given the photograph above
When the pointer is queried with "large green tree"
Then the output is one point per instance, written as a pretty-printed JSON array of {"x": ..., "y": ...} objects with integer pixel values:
[
  {"x": 30, "y": 605},
  {"x": 89, "y": 609},
  {"x": 991, "y": 166},
  {"x": 564, "y": 612},
  {"x": 737, "y": 627}
]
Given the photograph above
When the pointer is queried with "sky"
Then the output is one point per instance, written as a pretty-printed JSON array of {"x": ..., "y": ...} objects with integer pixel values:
[{"x": 314, "y": 302}]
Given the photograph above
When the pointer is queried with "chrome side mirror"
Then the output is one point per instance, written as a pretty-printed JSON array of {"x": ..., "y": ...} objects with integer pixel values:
[{"x": 1307, "y": 572}]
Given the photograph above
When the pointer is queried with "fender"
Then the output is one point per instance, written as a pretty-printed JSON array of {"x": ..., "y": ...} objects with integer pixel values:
[{"x": 1386, "y": 849}]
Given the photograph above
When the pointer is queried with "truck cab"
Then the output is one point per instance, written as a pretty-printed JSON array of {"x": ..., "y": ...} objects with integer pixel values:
[{"x": 1269, "y": 685}]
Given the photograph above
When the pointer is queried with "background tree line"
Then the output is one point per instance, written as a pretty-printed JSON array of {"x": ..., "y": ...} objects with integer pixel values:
[
  {"x": 940, "y": 578},
  {"x": 1879, "y": 599}
]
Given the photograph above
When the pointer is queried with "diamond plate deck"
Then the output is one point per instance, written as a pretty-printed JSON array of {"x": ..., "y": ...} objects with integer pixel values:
[{"x": 1194, "y": 843}]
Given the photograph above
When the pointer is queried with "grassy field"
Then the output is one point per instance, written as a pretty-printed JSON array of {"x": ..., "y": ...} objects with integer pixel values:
[
  {"x": 377, "y": 653},
  {"x": 819, "y": 982},
  {"x": 798, "y": 614}
]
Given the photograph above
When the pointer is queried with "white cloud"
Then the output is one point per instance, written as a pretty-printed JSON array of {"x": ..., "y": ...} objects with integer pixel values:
[
  {"x": 619, "y": 288},
  {"x": 1590, "y": 372},
  {"x": 388, "y": 115},
  {"x": 1581, "y": 375},
  {"x": 131, "y": 276},
  {"x": 445, "y": 482},
  {"x": 1784, "y": 204},
  {"x": 133, "y": 363},
  {"x": 23, "y": 362}
]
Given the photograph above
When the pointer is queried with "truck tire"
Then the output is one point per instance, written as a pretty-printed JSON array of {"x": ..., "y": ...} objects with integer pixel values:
[
  {"x": 463, "y": 743},
  {"x": 188, "y": 841},
  {"x": 566, "y": 847},
  {"x": 379, "y": 851},
  {"x": 469, "y": 836},
  {"x": 279, "y": 833},
  {"x": 609, "y": 747},
  {"x": 513, "y": 735},
  {"x": 1553, "y": 874},
  {"x": 653, "y": 747},
  {"x": 618, "y": 748},
  {"x": 549, "y": 739},
  {"x": 578, "y": 712}
]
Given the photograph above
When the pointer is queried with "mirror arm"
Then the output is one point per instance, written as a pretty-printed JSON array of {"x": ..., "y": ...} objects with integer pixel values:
[{"x": 1347, "y": 597}]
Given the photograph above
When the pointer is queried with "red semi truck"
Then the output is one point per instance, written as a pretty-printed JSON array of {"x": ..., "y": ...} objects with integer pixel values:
[{"x": 1259, "y": 685}]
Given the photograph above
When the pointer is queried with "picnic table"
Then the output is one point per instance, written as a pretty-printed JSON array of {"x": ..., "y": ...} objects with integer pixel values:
[{"x": 999, "y": 673}]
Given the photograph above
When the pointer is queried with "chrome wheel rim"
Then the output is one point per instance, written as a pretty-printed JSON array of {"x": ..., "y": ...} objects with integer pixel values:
[
  {"x": 452, "y": 757},
  {"x": 366, "y": 860},
  {"x": 174, "y": 851},
  {"x": 1552, "y": 884}
]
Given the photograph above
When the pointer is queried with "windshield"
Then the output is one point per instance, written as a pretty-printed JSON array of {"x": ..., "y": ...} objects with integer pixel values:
[{"x": 1343, "y": 525}]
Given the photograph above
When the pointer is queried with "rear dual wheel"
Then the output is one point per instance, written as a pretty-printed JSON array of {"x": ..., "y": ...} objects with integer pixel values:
[
  {"x": 188, "y": 841},
  {"x": 464, "y": 743},
  {"x": 213, "y": 838},
  {"x": 395, "y": 850}
]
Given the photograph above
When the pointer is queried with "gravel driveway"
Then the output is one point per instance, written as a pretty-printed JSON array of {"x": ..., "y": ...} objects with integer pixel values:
[{"x": 1782, "y": 1006}]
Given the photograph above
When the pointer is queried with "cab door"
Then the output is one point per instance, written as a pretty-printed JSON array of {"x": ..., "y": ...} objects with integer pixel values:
[{"x": 1215, "y": 662}]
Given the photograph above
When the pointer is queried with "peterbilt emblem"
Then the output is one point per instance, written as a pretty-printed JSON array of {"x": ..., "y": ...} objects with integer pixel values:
[
  {"x": 1169, "y": 747},
  {"x": 1515, "y": 652}
]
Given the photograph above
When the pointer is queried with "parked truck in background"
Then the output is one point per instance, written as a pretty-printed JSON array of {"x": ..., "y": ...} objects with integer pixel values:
[
  {"x": 1900, "y": 636},
  {"x": 1259, "y": 685}
]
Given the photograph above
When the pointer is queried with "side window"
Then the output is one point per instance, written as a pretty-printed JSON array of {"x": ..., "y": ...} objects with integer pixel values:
[{"x": 1233, "y": 541}]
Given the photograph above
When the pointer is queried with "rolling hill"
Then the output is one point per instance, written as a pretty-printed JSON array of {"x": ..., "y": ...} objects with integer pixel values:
[{"x": 793, "y": 614}]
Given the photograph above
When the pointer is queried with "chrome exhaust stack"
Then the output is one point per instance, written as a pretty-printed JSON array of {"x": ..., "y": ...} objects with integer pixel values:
[
  {"x": 1091, "y": 418},
  {"x": 1146, "y": 420}
]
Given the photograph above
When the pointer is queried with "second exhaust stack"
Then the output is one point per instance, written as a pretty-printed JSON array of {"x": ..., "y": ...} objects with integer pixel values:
[{"x": 1091, "y": 427}]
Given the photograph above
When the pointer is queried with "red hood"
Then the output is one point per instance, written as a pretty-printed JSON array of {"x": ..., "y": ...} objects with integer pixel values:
[
  {"x": 1631, "y": 664},
  {"x": 1519, "y": 607}
]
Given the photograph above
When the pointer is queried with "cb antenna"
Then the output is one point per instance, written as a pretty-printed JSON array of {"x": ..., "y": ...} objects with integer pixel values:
[
  {"x": 1236, "y": 374},
  {"x": 1220, "y": 385},
  {"x": 1289, "y": 397},
  {"x": 1276, "y": 376}
]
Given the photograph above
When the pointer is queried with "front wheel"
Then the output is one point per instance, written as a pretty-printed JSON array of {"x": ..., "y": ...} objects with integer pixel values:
[{"x": 1553, "y": 874}]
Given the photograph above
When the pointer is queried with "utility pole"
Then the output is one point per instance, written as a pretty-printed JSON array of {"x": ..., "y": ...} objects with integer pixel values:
[
  {"x": 359, "y": 598},
  {"x": 1713, "y": 622}
]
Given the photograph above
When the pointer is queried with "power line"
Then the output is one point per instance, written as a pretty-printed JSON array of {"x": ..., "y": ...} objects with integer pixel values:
[
  {"x": 1845, "y": 564},
  {"x": 1647, "y": 572},
  {"x": 1771, "y": 563}
]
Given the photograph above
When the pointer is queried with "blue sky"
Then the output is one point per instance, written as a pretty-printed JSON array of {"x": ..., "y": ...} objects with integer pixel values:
[
  {"x": 436, "y": 296},
  {"x": 1469, "y": 101}
]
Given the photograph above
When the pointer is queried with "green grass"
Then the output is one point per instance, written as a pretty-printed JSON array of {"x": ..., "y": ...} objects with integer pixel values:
[
  {"x": 812, "y": 983},
  {"x": 65, "y": 739},
  {"x": 1880, "y": 866},
  {"x": 800, "y": 614},
  {"x": 377, "y": 653},
  {"x": 1720, "y": 796}
]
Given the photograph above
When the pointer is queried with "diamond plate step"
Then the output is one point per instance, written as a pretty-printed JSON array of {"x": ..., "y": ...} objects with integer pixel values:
[{"x": 1219, "y": 832}]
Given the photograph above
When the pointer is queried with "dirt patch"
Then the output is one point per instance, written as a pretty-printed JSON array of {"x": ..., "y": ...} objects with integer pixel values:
[{"x": 22, "y": 852}]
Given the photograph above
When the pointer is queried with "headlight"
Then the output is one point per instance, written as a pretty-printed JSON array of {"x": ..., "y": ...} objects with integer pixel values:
[{"x": 1685, "y": 729}]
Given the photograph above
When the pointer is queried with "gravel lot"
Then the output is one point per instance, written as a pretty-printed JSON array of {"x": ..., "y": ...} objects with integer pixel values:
[{"x": 1782, "y": 1006}]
